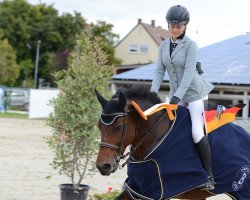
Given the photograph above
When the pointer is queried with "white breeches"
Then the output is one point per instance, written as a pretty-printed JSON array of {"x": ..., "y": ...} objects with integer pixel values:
[{"x": 196, "y": 110}]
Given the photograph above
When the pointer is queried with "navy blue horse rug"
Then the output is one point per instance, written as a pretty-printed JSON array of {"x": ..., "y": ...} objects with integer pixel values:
[{"x": 173, "y": 165}]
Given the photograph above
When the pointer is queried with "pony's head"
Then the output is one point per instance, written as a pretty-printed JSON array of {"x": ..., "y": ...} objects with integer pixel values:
[{"x": 118, "y": 124}]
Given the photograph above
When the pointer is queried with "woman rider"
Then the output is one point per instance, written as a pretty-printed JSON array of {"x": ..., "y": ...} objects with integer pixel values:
[{"x": 179, "y": 55}]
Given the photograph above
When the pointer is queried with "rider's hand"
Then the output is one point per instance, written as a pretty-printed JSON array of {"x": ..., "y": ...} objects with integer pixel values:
[
  {"x": 154, "y": 97},
  {"x": 174, "y": 100},
  {"x": 154, "y": 94}
]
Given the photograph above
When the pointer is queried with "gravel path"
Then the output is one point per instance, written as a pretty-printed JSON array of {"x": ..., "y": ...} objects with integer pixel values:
[{"x": 24, "y": 165}]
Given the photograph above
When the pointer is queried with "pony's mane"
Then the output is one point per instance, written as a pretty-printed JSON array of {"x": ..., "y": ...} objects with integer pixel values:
[{"x": 136, "y": 92}]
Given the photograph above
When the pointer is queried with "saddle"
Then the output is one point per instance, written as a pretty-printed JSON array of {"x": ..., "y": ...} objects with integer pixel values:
[{"x": 214, "y": 118}]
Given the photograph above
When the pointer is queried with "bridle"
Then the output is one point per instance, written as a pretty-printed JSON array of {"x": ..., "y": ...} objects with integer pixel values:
[
  {"x": 118, "y": 148},
  {"x": 119, "y": 155}
]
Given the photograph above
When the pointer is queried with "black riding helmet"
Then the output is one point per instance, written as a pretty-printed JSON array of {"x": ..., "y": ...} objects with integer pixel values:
[{"x": 177, "y": 15}]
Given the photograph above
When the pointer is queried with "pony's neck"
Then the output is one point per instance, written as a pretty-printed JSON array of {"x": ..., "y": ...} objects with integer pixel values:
[{"x": 150, "y": 132}]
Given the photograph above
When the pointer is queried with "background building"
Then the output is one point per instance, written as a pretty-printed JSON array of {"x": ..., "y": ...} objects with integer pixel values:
[{"x": 140, "y": 45}]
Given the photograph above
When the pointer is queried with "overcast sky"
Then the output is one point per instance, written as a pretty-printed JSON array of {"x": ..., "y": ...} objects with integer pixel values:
[{"x": 210, "y": 21}]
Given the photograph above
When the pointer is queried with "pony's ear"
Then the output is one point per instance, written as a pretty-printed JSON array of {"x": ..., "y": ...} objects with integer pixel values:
[
  {"x": 122, "y": 100},
  {"x": 101, "y": 99}
]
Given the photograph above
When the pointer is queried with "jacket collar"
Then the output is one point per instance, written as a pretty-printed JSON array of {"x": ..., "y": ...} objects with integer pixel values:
[{"x": 180, "y": 45}]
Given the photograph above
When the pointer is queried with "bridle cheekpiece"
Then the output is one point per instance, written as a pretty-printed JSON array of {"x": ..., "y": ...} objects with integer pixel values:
[{"x": 108, "y": 119}]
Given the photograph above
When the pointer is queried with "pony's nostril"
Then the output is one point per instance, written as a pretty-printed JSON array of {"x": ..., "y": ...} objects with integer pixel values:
[{"x": 106, "y": 166}]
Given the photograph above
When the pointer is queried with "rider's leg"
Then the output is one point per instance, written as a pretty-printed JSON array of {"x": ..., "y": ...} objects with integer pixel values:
[{"x": 196, "y": 109}]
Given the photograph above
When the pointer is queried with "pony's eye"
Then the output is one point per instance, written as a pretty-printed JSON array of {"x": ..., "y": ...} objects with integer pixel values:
[{"x": 118, "y": 128}]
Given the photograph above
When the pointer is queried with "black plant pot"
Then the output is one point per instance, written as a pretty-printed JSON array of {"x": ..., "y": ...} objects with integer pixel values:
[{"x": 69, "y": 193}]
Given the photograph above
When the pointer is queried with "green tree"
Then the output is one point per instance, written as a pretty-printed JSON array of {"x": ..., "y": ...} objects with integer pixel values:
[
  {"x": 9, "y": 70},
  {"x": 24, "y": 24},
  {"x": 74, "y": 135},
  {"x": 104, "y": 30},
  {"x": 26, "y": 74}
]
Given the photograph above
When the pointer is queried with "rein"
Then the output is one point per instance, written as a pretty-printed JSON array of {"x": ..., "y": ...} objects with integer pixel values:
[
  {"x": 147, "y": 134},
  {"x": 118, "y": 148}
]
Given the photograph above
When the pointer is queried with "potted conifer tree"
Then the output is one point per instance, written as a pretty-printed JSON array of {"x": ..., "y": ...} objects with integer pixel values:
[{"x": 74, "y": 132}]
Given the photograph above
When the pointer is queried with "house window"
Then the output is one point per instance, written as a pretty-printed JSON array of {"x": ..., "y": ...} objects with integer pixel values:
[
  {"x": 133, "y": 48},
  {"x": 144, "y": 49}
]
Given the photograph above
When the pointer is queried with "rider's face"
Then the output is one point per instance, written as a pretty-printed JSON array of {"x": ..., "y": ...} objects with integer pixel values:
[{"x": 176, "y": 30}]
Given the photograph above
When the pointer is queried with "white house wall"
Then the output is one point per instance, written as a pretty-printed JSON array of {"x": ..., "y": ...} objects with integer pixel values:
[{"x": 138, "y": 36}]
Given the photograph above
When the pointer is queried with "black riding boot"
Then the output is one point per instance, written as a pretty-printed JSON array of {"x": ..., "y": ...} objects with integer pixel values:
[{"x": 204, "y": 152}]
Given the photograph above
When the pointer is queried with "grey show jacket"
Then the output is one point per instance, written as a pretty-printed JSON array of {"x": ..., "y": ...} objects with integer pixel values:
[{"x": 185, "y": 82}]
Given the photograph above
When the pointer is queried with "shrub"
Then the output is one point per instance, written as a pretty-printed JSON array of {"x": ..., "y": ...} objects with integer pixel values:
[{"x": 76, "y": 110}]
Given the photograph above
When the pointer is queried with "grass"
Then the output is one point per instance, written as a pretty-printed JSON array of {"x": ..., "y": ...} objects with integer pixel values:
[{"x": 14, "y": 115}]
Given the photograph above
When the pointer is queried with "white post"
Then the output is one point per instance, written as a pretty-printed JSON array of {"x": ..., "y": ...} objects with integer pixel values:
[
  {"x": 113, "y": 88},
  {"x": 36, "y": 64},
  {"x": 246, "y": 108}
]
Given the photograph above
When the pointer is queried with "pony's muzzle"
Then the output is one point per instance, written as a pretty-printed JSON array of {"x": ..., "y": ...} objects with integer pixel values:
[{"x": 106, "y": 168}]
